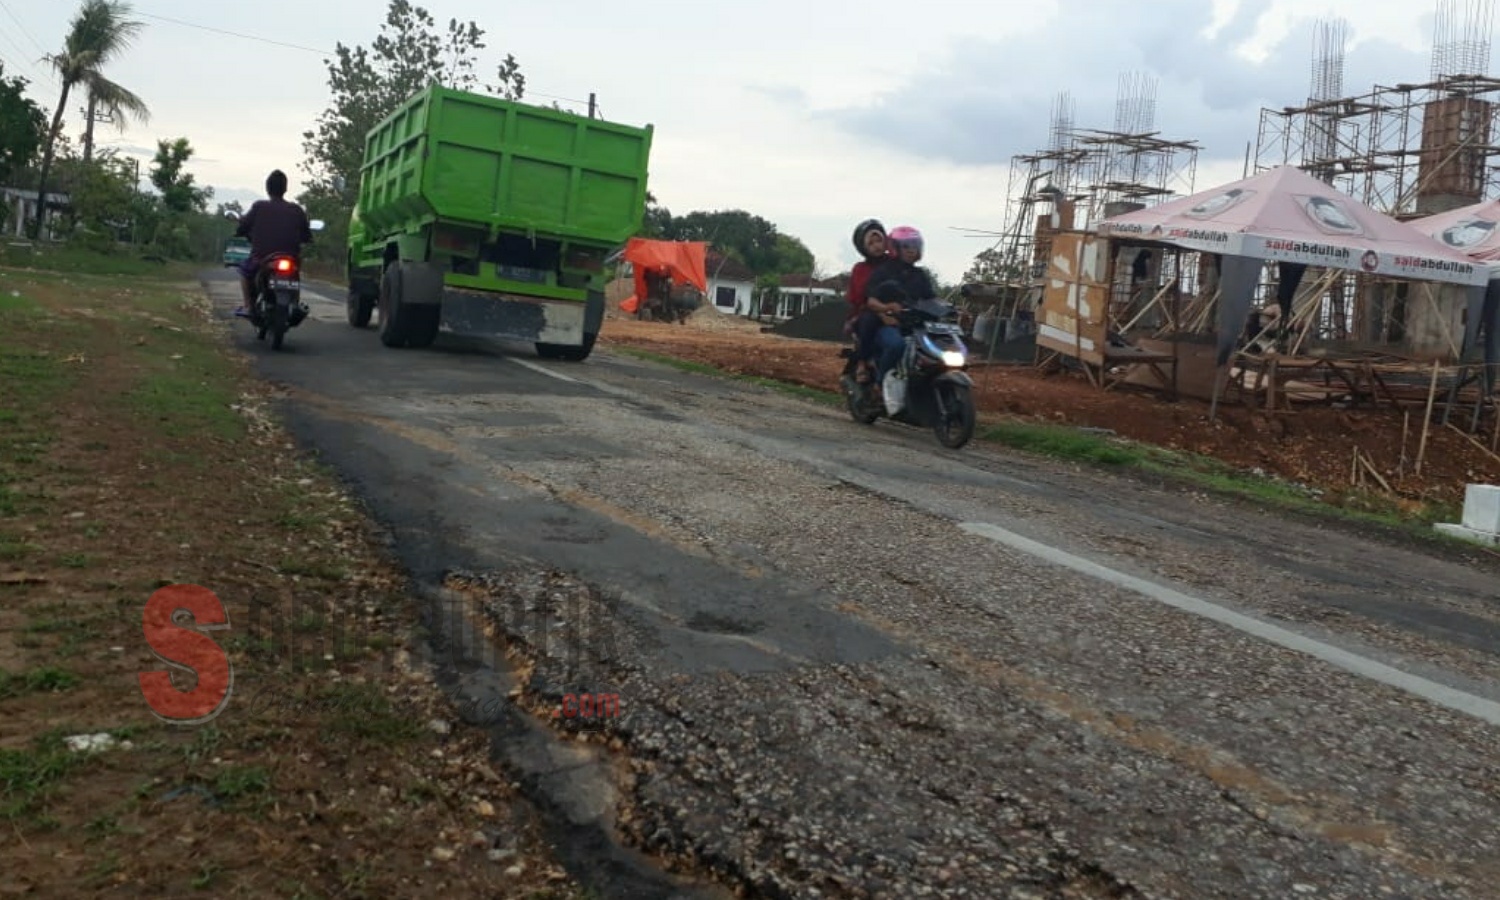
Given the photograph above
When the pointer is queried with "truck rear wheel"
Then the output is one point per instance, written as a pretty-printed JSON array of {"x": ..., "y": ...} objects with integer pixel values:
[
  {"x": 359, "y": 308},
  {"x": 405, "y": 324},
  {"x": 568, "y": 352}
]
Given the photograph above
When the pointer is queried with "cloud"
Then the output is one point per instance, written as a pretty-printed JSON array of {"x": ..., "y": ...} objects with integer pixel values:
[
  {"x": 786, "y": 95},
  {"x": 986, "y": 100}
]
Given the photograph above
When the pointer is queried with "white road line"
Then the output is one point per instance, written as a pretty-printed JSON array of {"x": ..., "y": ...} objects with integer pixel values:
[
  {"x": 314, "y": 295},
  {"x": 544, "y": 370},
  {"x": 1460, "y": 701}
]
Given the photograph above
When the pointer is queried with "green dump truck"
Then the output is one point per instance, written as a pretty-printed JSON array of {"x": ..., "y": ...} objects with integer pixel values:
[{"x": 493, "y": 218}]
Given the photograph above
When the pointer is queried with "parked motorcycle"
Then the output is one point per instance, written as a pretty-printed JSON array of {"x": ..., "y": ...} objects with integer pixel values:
[
  {"x": 276, "y": 305},
  {"x": 929, "y": 387}
]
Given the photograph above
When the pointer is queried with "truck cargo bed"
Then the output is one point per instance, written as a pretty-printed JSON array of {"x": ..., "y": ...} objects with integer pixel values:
[{"x": 455, "y": 156}]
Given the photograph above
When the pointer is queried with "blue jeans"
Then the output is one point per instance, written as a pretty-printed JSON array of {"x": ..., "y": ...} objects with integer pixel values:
[{"x": 889, "y": 345}]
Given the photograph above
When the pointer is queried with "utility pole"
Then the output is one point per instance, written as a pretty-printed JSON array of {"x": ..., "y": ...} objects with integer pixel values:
[
  {"x": 592, "y": 105},
  {"x": 90, "y": 116}
]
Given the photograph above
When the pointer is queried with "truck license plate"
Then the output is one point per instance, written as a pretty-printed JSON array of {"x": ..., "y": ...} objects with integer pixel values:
[{"x": 516, "y": 273}]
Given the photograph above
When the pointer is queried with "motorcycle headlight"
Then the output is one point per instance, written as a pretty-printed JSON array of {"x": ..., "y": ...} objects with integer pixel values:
[{"x": 953, "y": 359}]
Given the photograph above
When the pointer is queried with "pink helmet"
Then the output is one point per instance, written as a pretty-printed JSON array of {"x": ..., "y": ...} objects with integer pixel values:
[{"x": 901, "y": 237}]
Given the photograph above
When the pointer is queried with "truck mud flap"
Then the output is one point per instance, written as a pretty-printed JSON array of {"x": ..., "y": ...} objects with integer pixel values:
[{"x": 514, "y": 318}]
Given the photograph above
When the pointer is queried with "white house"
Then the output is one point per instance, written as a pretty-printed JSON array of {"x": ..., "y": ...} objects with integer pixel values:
[
  {"x": 731, "y": 286},
  {"x": 792, "y": 302},
  {"x": 21, "y": 205},
  {"x": 799, "y": 294}
]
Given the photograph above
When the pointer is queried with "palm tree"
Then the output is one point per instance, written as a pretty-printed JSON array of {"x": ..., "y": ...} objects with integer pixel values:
[
  {"x": 101, "y": 29},
  {"x": 119, "y": 106}
]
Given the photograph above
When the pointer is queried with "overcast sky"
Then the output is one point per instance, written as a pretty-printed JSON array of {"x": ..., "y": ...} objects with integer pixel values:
[{"x": 801, "y": 111}]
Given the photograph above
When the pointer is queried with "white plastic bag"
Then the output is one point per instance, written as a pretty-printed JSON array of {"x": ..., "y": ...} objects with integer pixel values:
[{"x": 894, "y": 389}]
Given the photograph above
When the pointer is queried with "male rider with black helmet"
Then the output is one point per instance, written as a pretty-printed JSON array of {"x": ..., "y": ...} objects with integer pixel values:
[
  {"x": 893, "y": 284},
  {"x": 276, "y": 225},
  {"x": 869, "y": 240}
]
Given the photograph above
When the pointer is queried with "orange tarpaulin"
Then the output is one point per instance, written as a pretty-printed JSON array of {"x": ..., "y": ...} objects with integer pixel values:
[{"x": 682, "y": 261}]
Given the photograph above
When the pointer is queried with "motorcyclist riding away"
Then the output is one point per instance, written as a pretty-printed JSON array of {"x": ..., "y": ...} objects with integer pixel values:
[
  {"x": 276, "y": 225},
  {"x": 895, "y": 283}
]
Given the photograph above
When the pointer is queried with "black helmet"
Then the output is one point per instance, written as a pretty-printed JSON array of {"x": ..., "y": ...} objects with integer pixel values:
[{"x": 864, "y": 228}]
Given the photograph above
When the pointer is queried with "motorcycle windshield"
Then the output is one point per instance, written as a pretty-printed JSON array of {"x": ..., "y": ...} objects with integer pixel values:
[{"x": 934, "y": 308}]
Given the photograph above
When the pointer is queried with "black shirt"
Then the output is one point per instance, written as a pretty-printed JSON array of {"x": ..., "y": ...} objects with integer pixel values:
[
  {"x": 275, "y": 226},
  {"x": 914, "y": 281}
]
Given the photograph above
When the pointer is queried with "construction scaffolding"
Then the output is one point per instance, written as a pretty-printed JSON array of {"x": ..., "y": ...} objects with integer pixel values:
[
  {"x": 1407, "y": 150},
  {"x": 1085, "y": 175}
]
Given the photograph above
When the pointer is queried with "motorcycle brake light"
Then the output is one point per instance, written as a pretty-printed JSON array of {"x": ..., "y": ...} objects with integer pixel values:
[{"x": 284, "y": 265}]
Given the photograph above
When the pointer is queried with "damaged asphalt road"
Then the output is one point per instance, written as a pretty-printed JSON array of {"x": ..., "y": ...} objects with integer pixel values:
[{"x": 849, "y": 663}]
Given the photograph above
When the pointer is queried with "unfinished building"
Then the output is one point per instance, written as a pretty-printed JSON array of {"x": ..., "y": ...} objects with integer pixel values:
[
  {"x": 1083, "y": 176},
  {"x": 1408, "y": 150}
]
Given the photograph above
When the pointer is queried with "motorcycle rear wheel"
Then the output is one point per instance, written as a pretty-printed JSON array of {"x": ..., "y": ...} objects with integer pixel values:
[
  {"x": 278, "y": 317},
  {"x": 856, "y": 400},
  {"x": 956, "y": 427}
]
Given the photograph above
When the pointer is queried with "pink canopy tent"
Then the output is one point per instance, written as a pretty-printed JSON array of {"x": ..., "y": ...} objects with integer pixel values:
[
  {"x": 1471, "y": 230},
  {"x": 1475, "y": 232},
  {"x": 1287, "y": 216}
]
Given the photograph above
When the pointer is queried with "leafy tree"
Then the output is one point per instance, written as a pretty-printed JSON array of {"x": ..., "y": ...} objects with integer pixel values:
[
  {"x": 994, "y": 265},
  {"x": 330, "y": 244},
  {"x": 178, "y": 191},
  {"x": 100, "y": 31},
  {"x": 739, "y": 235},
  {"x": 793, "y": 256},
  {"x": 657, "y": 222},
  {"x": 369, "y": 83},
  {"x": 22, "y": 127},
  {"x": 102, "y": 197},
  {"x": 748, "y": 238}
]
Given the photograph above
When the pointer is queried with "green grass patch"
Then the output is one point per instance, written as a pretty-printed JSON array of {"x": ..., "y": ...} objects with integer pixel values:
[
  {"x": 1065, "y": 443},
  {"x": 186, "y": 403},
  {"x": 36, "y": 681},
  {"x": 682, "y": 365},
  {"x": 27, "y": 375},
  {"x": 234, "y": 782},
  {"x": 362, "y": 712},
  {"x": 14, "y": 548},
  {"x": 82, "y": 261},
  {"x": 13, "y": 300},
  {"x": 312, "y": 569},
  {"x": 32, "y": 381},
  {"x": 29, "y": 777},
  {"x": 1216, "y": 477},
  {"x": 187, "y": 386}
]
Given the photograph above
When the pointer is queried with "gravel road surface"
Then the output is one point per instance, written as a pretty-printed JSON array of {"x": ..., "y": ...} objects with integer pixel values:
[{"x": 852, "y": 664}]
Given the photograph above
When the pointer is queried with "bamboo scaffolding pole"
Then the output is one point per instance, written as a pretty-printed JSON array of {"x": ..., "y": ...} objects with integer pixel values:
[
  {"x": 1427, "y": 418},
  {"x": 1149, "y": 306},
  {"x": 1405, "y": 430},
  {"x": 1471, "y": 439},
  {"x": 1302, "y": 318},
  {"x": 1370, "y": 467}
]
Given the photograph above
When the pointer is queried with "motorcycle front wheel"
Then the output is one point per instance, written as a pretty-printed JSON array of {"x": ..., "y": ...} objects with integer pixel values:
[{"x": 955, "y": 426}]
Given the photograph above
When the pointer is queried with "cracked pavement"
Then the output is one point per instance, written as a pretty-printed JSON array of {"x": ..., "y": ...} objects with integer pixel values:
[{"x": 853, "y": 664}]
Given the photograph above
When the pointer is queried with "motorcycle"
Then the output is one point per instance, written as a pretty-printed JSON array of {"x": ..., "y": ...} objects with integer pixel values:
[
  {"x": 276, "y": 305},
  {"x": 930, "y": 387}
]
